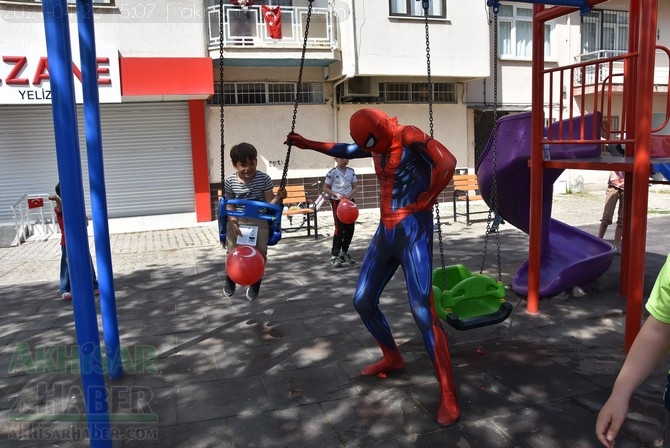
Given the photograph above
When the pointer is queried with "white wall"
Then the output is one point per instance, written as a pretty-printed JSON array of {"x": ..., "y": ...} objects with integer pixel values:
[
  {"x": 393, "y": 46},
  {"x": 168, "y": 29},
  {"x": 266, "y": 127}
]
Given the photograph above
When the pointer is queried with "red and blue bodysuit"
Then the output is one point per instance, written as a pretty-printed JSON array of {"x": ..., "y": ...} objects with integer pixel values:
[{"x": 412, "y": 169}]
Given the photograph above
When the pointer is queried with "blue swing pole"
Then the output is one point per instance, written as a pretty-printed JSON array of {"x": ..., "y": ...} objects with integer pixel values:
[
  {"x": 96, "y": 174},
  {"x": 59, "y": 54}
]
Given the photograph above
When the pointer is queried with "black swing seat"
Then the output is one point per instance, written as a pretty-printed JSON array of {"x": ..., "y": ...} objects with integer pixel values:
[
  {"x": 251, "y": 209},
  {"x": 468, "y": 300}
]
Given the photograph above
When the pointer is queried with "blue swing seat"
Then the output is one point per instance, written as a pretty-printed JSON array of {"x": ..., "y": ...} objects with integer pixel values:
[{"x": 251, "y": 209}]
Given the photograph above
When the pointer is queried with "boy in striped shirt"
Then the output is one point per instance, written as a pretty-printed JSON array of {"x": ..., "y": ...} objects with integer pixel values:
[{"x": 248, "y": 183}]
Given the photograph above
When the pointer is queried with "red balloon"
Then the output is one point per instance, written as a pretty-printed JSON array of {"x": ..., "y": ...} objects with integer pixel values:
[
  {"x": 347, "y": 211},
  {"x": 245, "y": 265}
]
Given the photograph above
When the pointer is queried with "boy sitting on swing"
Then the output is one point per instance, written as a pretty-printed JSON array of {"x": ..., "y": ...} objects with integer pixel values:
[{"x": 251, "y": 184}]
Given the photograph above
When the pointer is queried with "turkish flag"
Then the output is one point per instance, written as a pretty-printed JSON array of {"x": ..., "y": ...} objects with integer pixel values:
[
  {"x": 272, "y": 18},
  {"x": 35, "y": 202}
]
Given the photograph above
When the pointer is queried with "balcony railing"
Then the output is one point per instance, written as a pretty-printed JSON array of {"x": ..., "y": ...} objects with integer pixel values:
[
  {"x": 598, "y": 73},
  {"x": 248, "y": 27}
]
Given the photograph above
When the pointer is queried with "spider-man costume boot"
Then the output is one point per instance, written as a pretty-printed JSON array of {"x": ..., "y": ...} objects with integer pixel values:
[
  {"x": 392, "y": 360},
  {"x": 448, "y": 412}
]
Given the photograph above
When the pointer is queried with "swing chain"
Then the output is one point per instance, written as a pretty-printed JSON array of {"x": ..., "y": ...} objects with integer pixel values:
[
  {"x": 298, "y": 93},
  {"x": 223, "y": 144},
  {"x": 436, "y": 206},
  {"x": 494, "y": 182},
  {"x": 429, "y": 77}
]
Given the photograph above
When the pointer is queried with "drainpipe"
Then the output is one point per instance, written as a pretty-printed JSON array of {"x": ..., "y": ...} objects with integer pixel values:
[{"x": 355, "y": 35}]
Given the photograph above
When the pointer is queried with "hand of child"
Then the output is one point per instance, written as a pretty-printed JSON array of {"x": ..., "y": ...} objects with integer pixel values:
[
  {"x": 236, "y": 227},
  {"x": 281, "y": 194},
  {"x": 610, "y": 419}
]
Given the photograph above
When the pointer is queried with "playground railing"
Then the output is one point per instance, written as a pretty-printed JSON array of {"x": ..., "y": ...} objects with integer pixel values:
[{"x": 596, "y": 84}]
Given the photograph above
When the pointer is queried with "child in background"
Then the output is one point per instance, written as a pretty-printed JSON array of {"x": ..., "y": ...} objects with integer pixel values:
[
  {"x": 251, "y": 184},
  {"x": 341, "y": 184},
  {"x": 613, "y": 196},
  {"x": 65, "y": 286},
  {"x": 649, "y": 347}
]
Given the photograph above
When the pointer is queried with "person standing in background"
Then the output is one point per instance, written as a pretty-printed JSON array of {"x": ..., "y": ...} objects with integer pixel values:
[
  {"x": 614, "y": 196},
  {"x": 65, "y": 286},
  {"x": 341, "y": 184}
]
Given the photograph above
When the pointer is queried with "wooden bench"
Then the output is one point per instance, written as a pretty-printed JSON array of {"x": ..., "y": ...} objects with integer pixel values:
[
  {"x": 297, "y": 204},
  {"x": 466, "y": 190}
]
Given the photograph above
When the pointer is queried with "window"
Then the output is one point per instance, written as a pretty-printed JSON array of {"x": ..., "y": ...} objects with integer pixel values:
[
  {"x": 515, "y": 33},
  {"x": 281, "y": 93},
  {"x": 611, "y": 125},
  {"x": 444, "y": 92},
  {"x": 251, "y": 93},
  {"x": 414, "y": 8},
  {"x": 245, "y": 93},
  {"x": 416, "y": 92},
  {"x": 395, "y": 92},
  {"x": 604, "y": 34},
  {"x": 311, "y": 93}
]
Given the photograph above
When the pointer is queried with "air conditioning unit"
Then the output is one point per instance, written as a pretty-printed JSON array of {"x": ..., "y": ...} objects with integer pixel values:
[{"x": 361, "y": 86}]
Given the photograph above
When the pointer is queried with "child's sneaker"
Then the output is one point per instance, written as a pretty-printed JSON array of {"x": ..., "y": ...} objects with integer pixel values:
[
  {"x": 66, "y": 296},
  {"x": 346, "y": 258},
  {"x": 253, "y": 290},
  {"x": 252, "y": 293},
  {"x": 335, "y": 261},
  {"x": 228, "y": 287}
]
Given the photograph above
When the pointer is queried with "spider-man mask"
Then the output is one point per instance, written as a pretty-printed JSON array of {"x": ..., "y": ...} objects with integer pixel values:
[{"x": 372, "y": 130}]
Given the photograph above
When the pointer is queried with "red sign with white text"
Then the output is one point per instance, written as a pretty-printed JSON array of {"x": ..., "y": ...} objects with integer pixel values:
[{"x": 24, "y": 77}]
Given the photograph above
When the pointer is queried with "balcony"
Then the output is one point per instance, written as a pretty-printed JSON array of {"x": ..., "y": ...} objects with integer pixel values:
[
  {"x": 247, "y": 40},
  {"x": 610, "y": 68}
]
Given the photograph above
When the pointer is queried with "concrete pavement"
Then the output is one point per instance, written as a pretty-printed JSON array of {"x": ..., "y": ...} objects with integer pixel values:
[{"x": 203, "y": 370}]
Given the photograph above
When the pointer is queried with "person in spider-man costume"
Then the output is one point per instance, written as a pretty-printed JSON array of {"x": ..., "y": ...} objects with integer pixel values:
[{"x": 412, "y": 169}]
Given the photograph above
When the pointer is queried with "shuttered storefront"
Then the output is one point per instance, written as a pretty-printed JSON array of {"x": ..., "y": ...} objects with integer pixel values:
[{"x": 146, "y": 148}]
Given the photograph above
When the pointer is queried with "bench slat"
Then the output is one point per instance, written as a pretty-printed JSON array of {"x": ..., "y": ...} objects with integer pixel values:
[
  {"x": 466, "y": 189},
  {"x": 296, "y": 194}
]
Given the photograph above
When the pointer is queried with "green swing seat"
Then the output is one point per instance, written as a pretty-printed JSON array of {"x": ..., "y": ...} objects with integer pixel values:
[{"x": 468, "y": 300}]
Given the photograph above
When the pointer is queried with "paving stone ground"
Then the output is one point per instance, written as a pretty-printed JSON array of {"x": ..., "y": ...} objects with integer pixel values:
[{"x": 283, "y": 371}]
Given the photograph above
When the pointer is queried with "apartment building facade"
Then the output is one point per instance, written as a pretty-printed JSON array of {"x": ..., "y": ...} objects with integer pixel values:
[{"x": 357, "y": 54}]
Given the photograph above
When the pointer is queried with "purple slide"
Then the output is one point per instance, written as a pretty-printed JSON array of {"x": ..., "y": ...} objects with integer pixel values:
[{"x": 570, "y": 257}]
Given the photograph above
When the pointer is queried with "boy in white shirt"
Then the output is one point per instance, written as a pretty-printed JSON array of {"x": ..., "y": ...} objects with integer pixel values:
[{"x": 341, "y": 184}]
